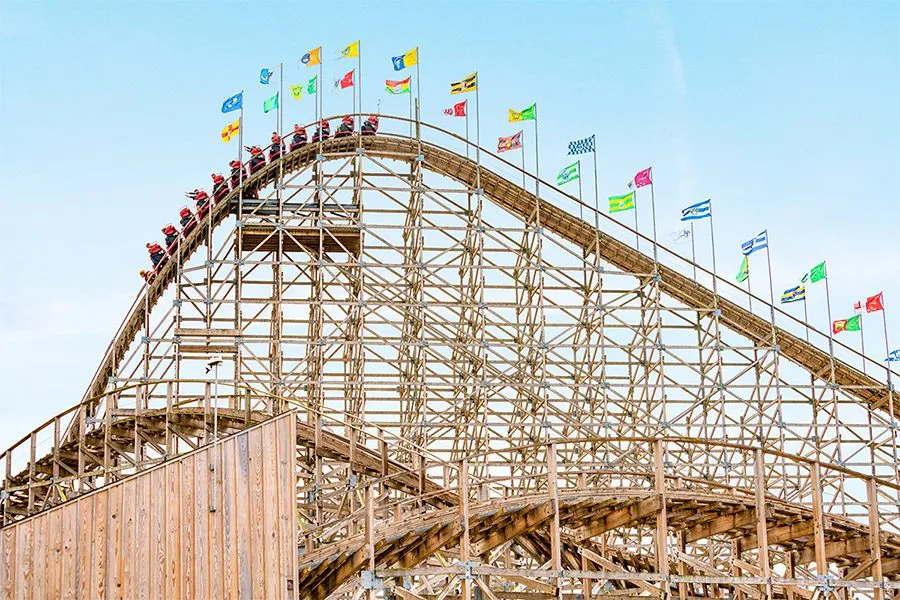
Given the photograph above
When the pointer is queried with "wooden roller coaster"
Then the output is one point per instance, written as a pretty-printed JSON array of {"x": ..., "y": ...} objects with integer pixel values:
[{"x": 487, "y": 396}]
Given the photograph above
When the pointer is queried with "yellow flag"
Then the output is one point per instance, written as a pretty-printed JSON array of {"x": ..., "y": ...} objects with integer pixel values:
[
  {"x": 469, "y": 84},
  {"x": 313, "y": 57},
  {"x": 351, "y": 51},
  {"x": 231, "y": 130},
  {"x": 297, "y": 91},
  {"x": 411, "y": 57}
]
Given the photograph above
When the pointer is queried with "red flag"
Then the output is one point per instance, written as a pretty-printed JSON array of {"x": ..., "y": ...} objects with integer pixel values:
[
  {"x": 875, "y": 303},
  {"x": 839, "y": 326},
  {"x": 643, "y": 178},
  {"x": 347, "y": 80},
  {"x": 857, "y": 307},
  {"x": 512, "y": 142},
  {"x": 458, "y": 110}
]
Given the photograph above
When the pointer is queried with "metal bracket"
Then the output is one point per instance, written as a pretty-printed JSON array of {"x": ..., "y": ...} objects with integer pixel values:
[
  {"x": 145, "y": 339},
  {"x": 320, "y": 157},
  {"x": 826, "y": 583},
  {"x": 360, "y": 151},
  {"x": 657, "y": 278},
  {"x": 176, "y": 303},
  {"x": 352, "y": 481},
  {"x": 478, "y": 191},
  {"x": 467, "y": 566},
  {"x": 369, "y": 581},
  {"x": 420, "y": 158},
  {"x": 717, "y": 312}
]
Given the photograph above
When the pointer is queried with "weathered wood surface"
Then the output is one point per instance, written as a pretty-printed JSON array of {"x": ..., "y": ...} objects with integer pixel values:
[{"x": 154, "y": 536}]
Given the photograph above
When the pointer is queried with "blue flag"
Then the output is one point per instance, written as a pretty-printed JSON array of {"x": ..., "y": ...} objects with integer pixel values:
[
  {"x": 894, "y": 356},
  {"x": 264, "y": 76},
  {"x": 582, "y": 146},
  {"x": 701, "y": 210},
  {"x": 233, "y": 103},
  {"x": 795, "y": 294},
  {"x": 758, "y": 243}
]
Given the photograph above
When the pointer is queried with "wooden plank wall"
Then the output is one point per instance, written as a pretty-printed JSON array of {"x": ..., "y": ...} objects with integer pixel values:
[{"x": 154, "y": 536}]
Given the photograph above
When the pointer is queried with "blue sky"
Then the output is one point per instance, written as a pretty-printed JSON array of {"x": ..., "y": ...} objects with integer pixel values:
[{"x": 785, "y": 114}]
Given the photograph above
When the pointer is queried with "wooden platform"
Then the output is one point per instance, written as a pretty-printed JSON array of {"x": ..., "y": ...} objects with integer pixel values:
[{"x": 339, "y": 239}]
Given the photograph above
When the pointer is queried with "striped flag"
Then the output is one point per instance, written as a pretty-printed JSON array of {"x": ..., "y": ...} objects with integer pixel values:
[
  {"x": 701, "y": 210},
  {"x": 758, "y": 243},
  {"x": 582, "y": 146}
]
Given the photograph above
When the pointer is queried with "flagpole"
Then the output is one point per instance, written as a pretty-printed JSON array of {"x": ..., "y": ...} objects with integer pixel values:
[
  {"x": 771, "y": 288},
  {"x": 862, "y": 343},
  {"x": 359, "y": 79},
  {"x": 477, "y": 137},
  {"x": 524, "y": 174},
  {"x": 693, "y": 251},
  {"x": 410, "y": 106},
  {"x": 354, "y": 99},
  {"x": 467, "y": 124},
  {"x": 241, "y": 161},
  {"x": 537, "y": 162},
  {"x": 805, "y": 315},
  {"x": 830, "y": 324},
  {"x": 418, "y": 97},
  {"x": 580, "y": 201},
  {"x": 712, "y": 243},
  {"x": 887, "y": 346},
  {"x": 637, "y": 237},
  {"x": 596, "y": 187},
  {"x": 653, "y": 210},
  {"x": 320, "y": 94}
]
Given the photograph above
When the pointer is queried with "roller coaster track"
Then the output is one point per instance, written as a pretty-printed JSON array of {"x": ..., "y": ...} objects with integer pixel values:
[{"x": 427, "y": 520}]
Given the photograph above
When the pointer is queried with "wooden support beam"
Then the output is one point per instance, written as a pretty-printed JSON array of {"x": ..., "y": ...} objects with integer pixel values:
[
  {"x": 759, "y": 475},
  {"x": 608, "y": 565},
  {"x": 662, "y": 525},
  {"x": 722, "y": 524},
  {"x": 821, "y": 555},
  {"x": 627, "y": 515},
  {"x": 874, "y": 535},
  {"x": 523, "y": 523},
  {"x": 835, "y": 549}
]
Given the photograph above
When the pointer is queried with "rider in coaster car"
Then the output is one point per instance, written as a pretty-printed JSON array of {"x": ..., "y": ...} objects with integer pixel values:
[
  {"x": 157, "y": 254},
  {"x": 236, "y": 173},
  {"x": 171, "y": 236},
  {"x": 202, "y": 199},
  {"x": 322, "y": 131},
  {"x": 257, "y": 158},
  {"x": 147, "y": 276},
  {"x": 345, "y": 128},
  {"x": 187, "y": 220},
  {"x": 299, "y": 138},
  {"x": 370, "y": 126},
  {"x": 277, "y": 147},
  {"x": 220, "y": 188}
]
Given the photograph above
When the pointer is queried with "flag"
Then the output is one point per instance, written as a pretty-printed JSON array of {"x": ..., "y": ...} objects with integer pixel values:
[
  {"x": 620, "y": 203},
  {"x": 851, "y": 324},
  {"x": 817, "y": 273},
  {"x": 231, "y": 130},
  {"x": 527, "y": 114},
  {"x": 311, "y": 85},
  {"x": 701, "y": 210},
  {"x": 469, "y": 84},
  {"x": 233, "y": 103},
  {"x": 297, "y": 91},
  {"x": 894, "y": 356},
  {"x": 406, "y": 60},
  {"x": 744, "y": 273},
  {"x": 630, "y": 184},
  {"x": 457, "y": 110},
  {"x": 397, "y": 87},
  {"x": 680, "y": 235},
  {"x": 570, "y": 173},
  {"x": 345, "y": 81},
  {"x": 265, "y": 75},
  {"x": 311, "y": 58},
  {"x": 858, "y": 307},
  {"x": 582, "y": 146},
  {"x": 795, "y": 294},
  {"x": 271, "y": 103},
  {"x": 512, "y": 142},
  {"x": 875, "y": 303},
  {"x": 642, "y": 178},
  {"x": 351, "y": 51},
  {"x": 758, "y": 243}
]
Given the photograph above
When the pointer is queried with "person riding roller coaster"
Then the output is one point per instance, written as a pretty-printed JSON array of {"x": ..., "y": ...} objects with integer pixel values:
[
  {"x": 345, "y": 128},
  {"x": 202, "y": 199},
  {"x": 370, "y": 126},
  {"x": 257, "y": 158},
  {"x": 188, "y": 222},
  {"x": 236, "y": 172},
  {"x": 220, "y": 188},
  {"x": 299, "y": 138},
  {"x": 322, "y": 131},
  {"x": 171, "y": 237},
  {"x": 157, "y": 254},
  {"x": 277, "y": 147},
  {"x": 148, "y": 276}
]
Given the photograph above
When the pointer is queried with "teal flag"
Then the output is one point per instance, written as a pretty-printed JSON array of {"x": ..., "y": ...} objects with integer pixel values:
[
  {"x": 271, "y": 103},
  {"x": 568, "y": 174}
]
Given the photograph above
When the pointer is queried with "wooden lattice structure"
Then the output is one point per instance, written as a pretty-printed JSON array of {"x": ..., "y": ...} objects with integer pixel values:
[{"x": 493, "y": 396}]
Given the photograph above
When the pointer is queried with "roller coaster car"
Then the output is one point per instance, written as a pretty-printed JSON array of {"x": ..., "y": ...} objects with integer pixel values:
[
  {"x": 236, "y": 174},
  {"x": 299, "y": 138},
  {"x": 277, "y": 147},
  {"x": 148, "y": 276},
  {"x": 157, "y": 255},
  {"x": 203, "y": 204},
  {"x": 345, "y": 129},
  {"x": 188, "y": 222},
  {"x": 257, "y": 158},
  {"x": 370, "y": 126},
  {"x": 322, "y": 132},
  {"x": 220, "y": 188},
  {"x": 171, "y": 238}
]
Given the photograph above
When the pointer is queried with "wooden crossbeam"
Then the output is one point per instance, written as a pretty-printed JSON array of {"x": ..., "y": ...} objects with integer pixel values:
[
  {"x": 837, "y": 548},
  {"x": 528, "y": 521},
  {"x": 621, "y": 517},
  {"x": 723, "y": 524}
]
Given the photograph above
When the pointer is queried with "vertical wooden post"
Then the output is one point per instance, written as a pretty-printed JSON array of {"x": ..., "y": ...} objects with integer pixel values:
[
  {"x": 818, "y": 519},
  {"x": 464, "y": 542},
  {"x": 762, "y": 533},
  {"x": 247, "y": 407},
  {"x": 170, "y": 401},
  {"x": 370, "y": 536},
  {"x": 662, "y": 525},
  {"x": 682, "y": 568},
  {"x": 553, "y": 493},
  {"x": 874, "y": 536}
]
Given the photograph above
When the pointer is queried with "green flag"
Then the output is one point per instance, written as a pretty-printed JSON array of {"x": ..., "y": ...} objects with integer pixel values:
[
  {"x": 311, "y": 86},
  {"x": 817, "y": 273},
  {"x": 853, "y": 322},
  {"x": 526, "y": 114},
  {"x": 568, "y": 174},
  {"x": 271, "y": 103},
  {"x": 620, "y": 203},
  {"x": 744, "y": 274}
]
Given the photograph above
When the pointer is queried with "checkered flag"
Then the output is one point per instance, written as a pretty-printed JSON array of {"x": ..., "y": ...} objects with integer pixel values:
[{"x": 582, "y": 146}]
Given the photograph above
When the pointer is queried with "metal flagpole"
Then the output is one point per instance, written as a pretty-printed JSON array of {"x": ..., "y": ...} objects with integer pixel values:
[
  {"x": 278, "y": 116},
  {"x": 466, "y": 109},
  {"x": 319, "y": 92},
  {"x": 806, "y": 317},
  {"x": 241, "y": 161},
  {"x": 580, "y": 201},
  {"x": 637, "y": 237},
  {"x": 524, "y": 174},
  {"x": 887, "y": 347},
  {"x": 354, "y": 95},
  {"x": 411, "y": 107},
  {"x": 771, "y": 288},
  {"x": 862, "y": 343},
  {"x": 596, "y": 185},
  {"x": 477, "y": 137},
  {"x": 359, "y": 79},
  {"x": 830, "y": 324},
  {"x": 537, "y": 162},
  {"x": 694, "y": 251},
  {"x": 653, "y": 210},
  {"x": 418, "y": 96},
  {"x": 712, "y": 244}
]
